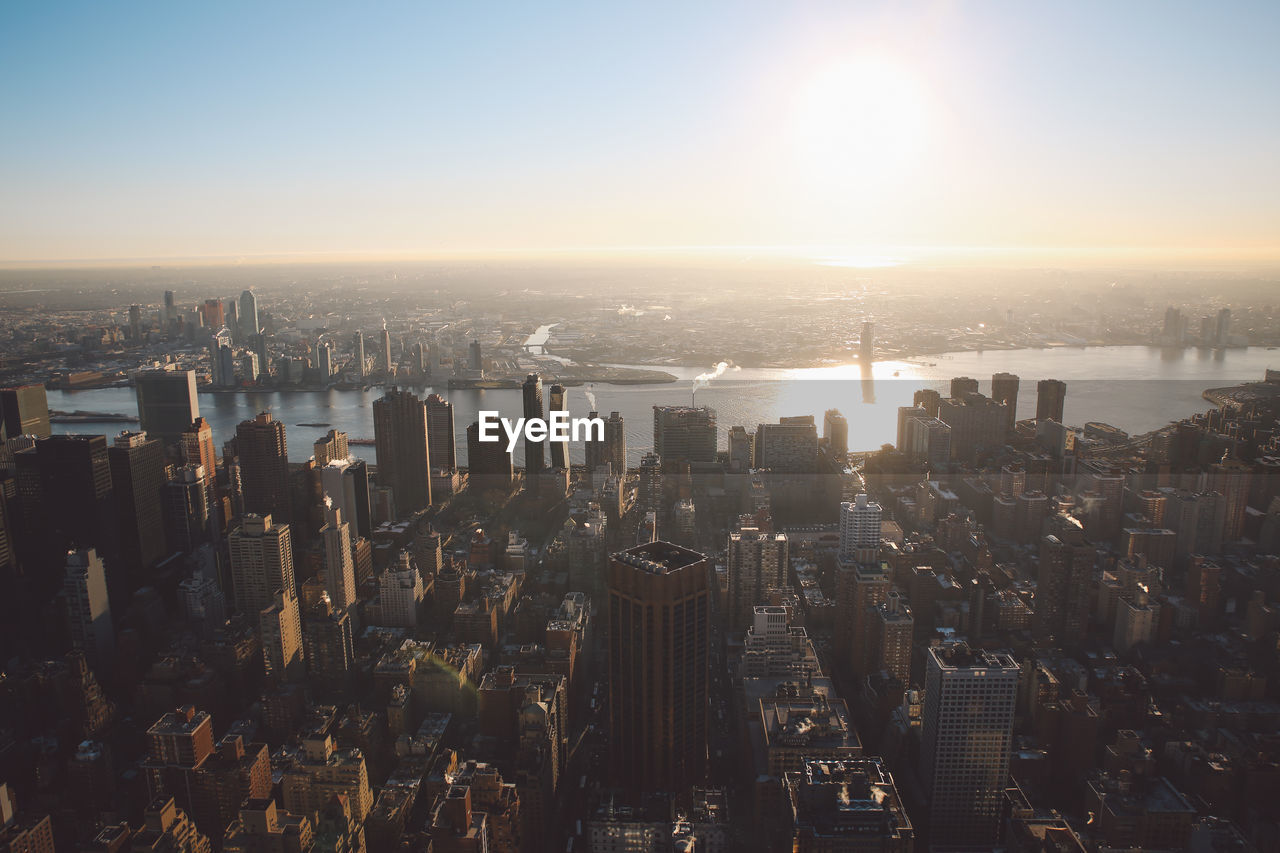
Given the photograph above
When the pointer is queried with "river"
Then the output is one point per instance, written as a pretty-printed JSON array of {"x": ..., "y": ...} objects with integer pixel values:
[{"x": 1135, "y": 388}]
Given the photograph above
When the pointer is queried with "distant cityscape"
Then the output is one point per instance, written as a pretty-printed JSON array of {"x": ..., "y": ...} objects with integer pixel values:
[{"x": 999, "y": 631}]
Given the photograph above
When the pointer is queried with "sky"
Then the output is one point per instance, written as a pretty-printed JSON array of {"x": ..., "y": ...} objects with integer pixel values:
[{"x": 847, "y": 129}]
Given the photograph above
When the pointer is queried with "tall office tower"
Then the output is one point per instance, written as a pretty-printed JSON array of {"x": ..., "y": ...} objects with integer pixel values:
[
  {"x": 167, "y": 402},
  {"x": 137, "y": 476},
  {"x": 1222, "y": 328},
  {"x": 835, "y": 431},
  {"x": 215, "y": 316},
  {"x": 233, "y": 323},
  {"x": 346, "y": 483},
  {"x": 329, "y": 645},
  {"x": 927, "y": 399},
  {"x": 24, "y": 410},
  {"x": 489, "y": 465},
  {"x": 659, "y": 626},
  {"x": 867, "y": 343},
  {"x": 907, "y": 415},
  {"x": 440, "y": 435},
  {"x": 248, "y": 316},
  {"x": 976, "y": 422},
  {"x": 1051, "y": 397},
  {"x": 263, "y": 453},
  {"x": 400, "y": 435},
  {"x": 684, "y": 434},
  {"x": 961, "y": 385},
  {"x": 339, "y": 570},
  {"x": 67, "y": 501},
  {"x": 358, "y": 356},
  {"x": 1231, "y": 479},
  {"x": 967, "y": 726},
  {"x": 593, "y": 449},
  {"x": 186, "y": 509},
  {"x": 385, "y": 351},
  {"x": 261, "y": 562},
  {"x": 789, "y": 446},
  {"x": 88, "y": 610},
  {"x": 222, "y": 360},
  {"x": 559, "y": 449},
  {"x": 333, "y": 447},
  {"x": 324, "y": 360},
  {"x": 846, "y": 805},
  {"x": 1063, "y": 583},
  {"x": 891, "y": 631},
  {"x": 742, "y": 449},
  {"x": 757, "y": 561},
  {"x": 1031, "y": 511},
  {"x": 1004, "y": 389},
  {"x": 533, "y": 457},
  {"x": 860, "y": 530},
  {"x": 421, "y": 358},
  {"x": 860, "y": 587},
  {"x": 650, "y": 495},
  {"x": 196, "y": 444},
  {"x": 280, "y": 624},
  {"x": 135, "y": 324},
  {"x": 168, "y": 313},
  {"x": 263, "y": 366},
  {"x": 929, "y": 441},
  {"x": 476, "y": 363},
  {"x": 615, "y": 443}
]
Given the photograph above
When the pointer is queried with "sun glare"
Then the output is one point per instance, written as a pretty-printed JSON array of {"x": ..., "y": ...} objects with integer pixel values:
[{"x": 859, "y": 122}]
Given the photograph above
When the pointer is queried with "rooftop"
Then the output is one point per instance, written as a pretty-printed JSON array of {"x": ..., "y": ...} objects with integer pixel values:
[{"x": 659, "y": 557}]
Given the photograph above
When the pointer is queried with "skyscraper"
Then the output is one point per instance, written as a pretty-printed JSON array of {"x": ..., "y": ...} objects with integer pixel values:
[
  {"x": 1064, "y": 581},
  {"x": 658, "y": 644},
  {"x": 967, "y": 727},
  {"x": 977, "y": 423},
  {"x": 168, "y": 313},
  {"x": 346, "y": 483},
  {"x": 248, "y": 317},
  {"x": 135, "y": 324},
  {"x": 961, "y": 385},
  {"x": 1004, "y": 389},
  {"x": 867, "y": 343},
  {"x": 789, "y": 446},
  {"x": 88, "y": 610},
  {"x": 262, "y": 450},
  {"x": 860, "y": 529},
  {"x": 476, "y": 362},
  {"x": 339, "y": 570},
  {"x": 24, "y": 410},
  {"x": 440, "y": 435},
  {"x": 358, "y": 355},
  {"x": 757, "y": 561},
  {"x": 385, "y": 352},
  {"x": 137, "y": 476},
  {"x": 261, "y": 562},
  {"x": 280, "y": 624},
  {"x": 1051, "y": 396},
  {"x": 533, "y": 458},
  {"x": 489, "y": 465},
  {"x": 891, "y": 632},
  {"x": 835, "y": 431},
  {"x": 559, "y": 449},
  {"x": 400, "y": 435},
  {"x": 684, "y": 434},
  {"x": 187, "y": 509},
  {"x": 167, "y": 402}
]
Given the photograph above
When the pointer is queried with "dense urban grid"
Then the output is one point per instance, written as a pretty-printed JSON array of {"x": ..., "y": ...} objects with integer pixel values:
[{"x": 1001, "y": 631}]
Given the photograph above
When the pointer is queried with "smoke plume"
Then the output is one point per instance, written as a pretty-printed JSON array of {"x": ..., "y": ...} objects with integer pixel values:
[{"x": 702, "y": 380}]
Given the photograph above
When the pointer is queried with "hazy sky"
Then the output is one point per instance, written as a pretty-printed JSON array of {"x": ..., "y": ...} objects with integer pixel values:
[{"x": 222, "y": 129}]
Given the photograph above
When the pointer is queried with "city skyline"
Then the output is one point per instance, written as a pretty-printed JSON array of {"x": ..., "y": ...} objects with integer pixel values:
[{"x": 863, "y": 134}]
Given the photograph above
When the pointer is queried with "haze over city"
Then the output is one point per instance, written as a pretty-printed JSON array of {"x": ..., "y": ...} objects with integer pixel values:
[
  {"x": 871, "y": 132},
  {"x": 920, "y": 364}
]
